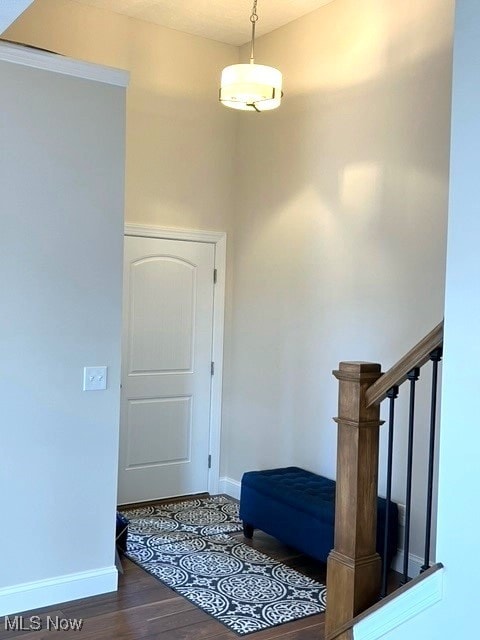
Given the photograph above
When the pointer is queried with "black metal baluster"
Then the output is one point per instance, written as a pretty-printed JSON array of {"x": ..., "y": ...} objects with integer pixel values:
[
  {"x": 435, "y": 357},
  {"x": 413, "y": 376},
  {"x": 392, "y": 395}
]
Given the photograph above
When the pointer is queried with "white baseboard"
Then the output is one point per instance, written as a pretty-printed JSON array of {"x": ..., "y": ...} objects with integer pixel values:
[
  {"x": 230, "y": 487},
  {"x": 415, "y": 563},
  {"x": 43, "y": 593},
  {"x": 398, "y": 611}
]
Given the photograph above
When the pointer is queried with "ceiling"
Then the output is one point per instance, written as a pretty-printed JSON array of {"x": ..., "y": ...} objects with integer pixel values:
[{"x": 223, "y": 20}]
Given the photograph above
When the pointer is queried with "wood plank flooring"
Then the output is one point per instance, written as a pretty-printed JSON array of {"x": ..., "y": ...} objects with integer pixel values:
[{"x": 143, "y": 609}]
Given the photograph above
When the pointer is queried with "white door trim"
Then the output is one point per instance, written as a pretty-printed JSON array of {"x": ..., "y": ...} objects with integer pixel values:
[{"x": 219, "y": 239}]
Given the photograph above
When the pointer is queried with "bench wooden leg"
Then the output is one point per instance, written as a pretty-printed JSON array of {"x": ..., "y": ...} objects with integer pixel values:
[{"x": 248, "y": 530}]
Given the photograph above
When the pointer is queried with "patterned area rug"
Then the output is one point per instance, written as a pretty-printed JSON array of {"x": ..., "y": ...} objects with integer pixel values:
[{"x": 186, "y": 545}]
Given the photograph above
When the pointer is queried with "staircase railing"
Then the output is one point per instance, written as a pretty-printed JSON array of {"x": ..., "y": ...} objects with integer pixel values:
[{"x": 355, "y": 575}]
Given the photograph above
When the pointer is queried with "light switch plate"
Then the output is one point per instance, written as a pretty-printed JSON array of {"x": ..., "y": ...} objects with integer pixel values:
[{"x": 94, "y": 378}]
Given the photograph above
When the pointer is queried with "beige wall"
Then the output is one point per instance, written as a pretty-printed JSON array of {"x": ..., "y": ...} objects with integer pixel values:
[
  {"x": 340, "y": 222},
  {"x": 458, "y": 518},
  {"x": 336, "y": 202},
  {"x": 179, "y": 138},
  {"x": 180, "y": 156}
]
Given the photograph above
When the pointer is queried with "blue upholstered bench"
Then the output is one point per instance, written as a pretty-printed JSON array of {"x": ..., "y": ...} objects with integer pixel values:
[{"x": 298, "y": 508}]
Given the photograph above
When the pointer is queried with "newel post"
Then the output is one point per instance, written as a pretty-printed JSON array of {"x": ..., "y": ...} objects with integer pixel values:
[{"x": 353, "y": 566}]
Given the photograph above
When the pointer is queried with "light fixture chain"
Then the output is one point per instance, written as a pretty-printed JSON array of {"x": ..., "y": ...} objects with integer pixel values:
[
  {"x": 253, "y": 20},
  {"x": 254, "y": 17}
]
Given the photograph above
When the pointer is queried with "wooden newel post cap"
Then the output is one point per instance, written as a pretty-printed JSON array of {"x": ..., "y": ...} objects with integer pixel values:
[
  {"x": 354, "y": 380},
  {"x": 364, "y": 371}
]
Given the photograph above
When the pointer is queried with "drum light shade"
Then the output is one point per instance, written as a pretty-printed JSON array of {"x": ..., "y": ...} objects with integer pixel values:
[{"x": 251, "y": 87}]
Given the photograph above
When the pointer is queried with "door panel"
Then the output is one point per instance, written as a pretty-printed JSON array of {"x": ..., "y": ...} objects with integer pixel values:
[
  {"x": 166, "y": 381},
  {"x": 161, "y": 338},
  {"x": 159, "y": 431}
]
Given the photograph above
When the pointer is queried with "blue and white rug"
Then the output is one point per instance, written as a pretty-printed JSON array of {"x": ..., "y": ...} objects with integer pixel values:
[{"x": 186, "y": 545}]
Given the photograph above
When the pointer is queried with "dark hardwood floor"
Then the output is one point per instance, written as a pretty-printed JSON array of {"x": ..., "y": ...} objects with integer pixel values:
[{"x": 144, "y": 608}]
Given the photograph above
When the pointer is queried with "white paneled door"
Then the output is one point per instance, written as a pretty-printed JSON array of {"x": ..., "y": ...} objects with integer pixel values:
[{"x": 166, "y": 371}]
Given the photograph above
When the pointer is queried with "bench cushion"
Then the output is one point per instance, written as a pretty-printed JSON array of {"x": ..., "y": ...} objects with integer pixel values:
[{"x": 298, "y": 507}]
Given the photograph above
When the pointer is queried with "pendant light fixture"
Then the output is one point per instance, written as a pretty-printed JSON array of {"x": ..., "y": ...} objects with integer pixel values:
[{"x": 251, "y": 87}]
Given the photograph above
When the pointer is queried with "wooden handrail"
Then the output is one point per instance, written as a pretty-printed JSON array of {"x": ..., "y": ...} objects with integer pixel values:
[
  {"x": 381, "y": 603},
  {"x": 397, "y": 374},
  {"x": 353, "y": 566}
]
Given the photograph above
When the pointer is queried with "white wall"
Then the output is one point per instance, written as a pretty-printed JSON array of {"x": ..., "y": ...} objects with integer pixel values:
[
  {"x": 335, "y": 205},
  {"x": 181, "y": 142},
  {"x": 458, "y": 517},
  {"x": 62, "y": 201},
  {"x": 10, "y": 10},
  {"x": 340, "y": 222},
  {"x": 458, "y": 522}
]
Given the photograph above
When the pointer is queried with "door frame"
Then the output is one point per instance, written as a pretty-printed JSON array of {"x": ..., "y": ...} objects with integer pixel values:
[{"x": 219, "y": 240}]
